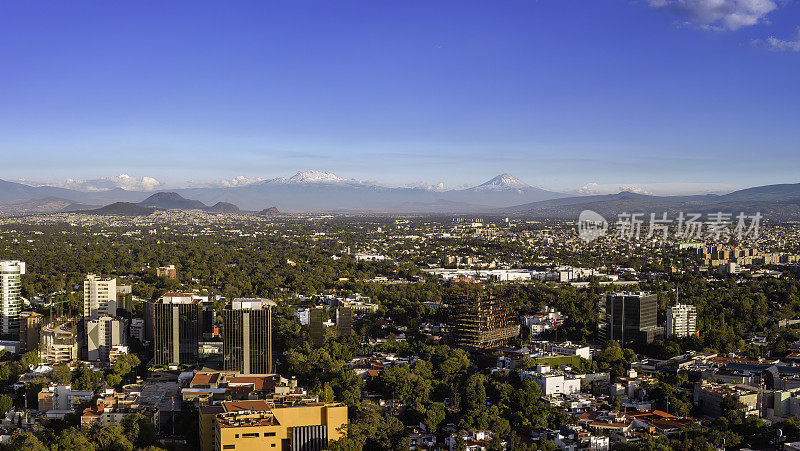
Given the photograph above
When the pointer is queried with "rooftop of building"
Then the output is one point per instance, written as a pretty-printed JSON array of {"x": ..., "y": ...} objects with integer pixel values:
[
  {"x": 630, "y": 293},
  {"x": 251, "y": 303},
  {"x": 211, "y": 410}
]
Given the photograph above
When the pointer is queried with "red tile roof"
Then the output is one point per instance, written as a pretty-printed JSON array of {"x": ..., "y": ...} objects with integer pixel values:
[
  {"x": 260, "y": 383},
  {"x": 204, "y": 378}
]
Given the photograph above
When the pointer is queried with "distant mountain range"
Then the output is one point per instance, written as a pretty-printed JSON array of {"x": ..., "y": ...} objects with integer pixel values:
[
  {"x": 174, "y": 201},
  {"x": 121, "y": 209},
  {"x": 779, "y": 202},
  {"x": 46, "y": 205},
  {"x": 170, "y": 201},
  {"x": 317, "y": 191},
  {"x": 306, "y": 191}
]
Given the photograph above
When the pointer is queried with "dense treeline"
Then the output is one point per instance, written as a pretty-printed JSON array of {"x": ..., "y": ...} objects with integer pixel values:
[
  {"x": 256, "y": 265},
  {"x": 444, "y": 385},
  {"x": 135, "y": 433}
]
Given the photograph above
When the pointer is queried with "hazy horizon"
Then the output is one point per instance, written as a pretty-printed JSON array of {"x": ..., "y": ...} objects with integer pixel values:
[
  {"x": 148, "y": 184},
  {"x": 662, "y": 96}
]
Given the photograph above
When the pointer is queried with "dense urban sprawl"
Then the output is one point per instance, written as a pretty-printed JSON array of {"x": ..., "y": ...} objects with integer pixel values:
[{"x": 187, "y": 330}]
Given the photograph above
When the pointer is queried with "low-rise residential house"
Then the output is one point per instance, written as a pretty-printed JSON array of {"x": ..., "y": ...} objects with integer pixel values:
[{"x": 58, "y": 400}]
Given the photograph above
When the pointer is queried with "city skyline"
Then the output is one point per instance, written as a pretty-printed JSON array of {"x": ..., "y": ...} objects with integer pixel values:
[{"x": 661, "y": 93}]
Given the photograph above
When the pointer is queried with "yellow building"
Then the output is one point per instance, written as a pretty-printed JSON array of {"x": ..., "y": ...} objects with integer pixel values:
[{"x": 260, "y": 425}]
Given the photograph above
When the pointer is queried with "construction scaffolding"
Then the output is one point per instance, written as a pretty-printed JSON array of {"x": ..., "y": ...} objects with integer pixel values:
[{"x": 479, "y": 317}]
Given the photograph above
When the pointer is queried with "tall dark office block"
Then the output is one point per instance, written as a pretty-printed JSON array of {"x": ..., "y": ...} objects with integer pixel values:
[
  {"x": 176, "y": 333},
  {"x": 207, "y": 319},
  {"x": 149, "y": 317},
  {"x": 247, "y": 337},
  {"x": 316, "y": 325},
  {"x": 344, "y": 322},
  {"x": 629, "y": 318}
]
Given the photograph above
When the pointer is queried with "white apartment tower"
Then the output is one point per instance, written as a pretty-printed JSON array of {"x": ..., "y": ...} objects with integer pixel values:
[
  {"x": 681, "y": 320},
  {"x": 102, "y": 334},
  {"x": 99, "y": 297},
  {"x": 10, "y": 301}
]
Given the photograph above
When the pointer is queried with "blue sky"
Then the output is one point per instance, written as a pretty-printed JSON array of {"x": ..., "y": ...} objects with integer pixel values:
[{"x": 667, "y": 95}]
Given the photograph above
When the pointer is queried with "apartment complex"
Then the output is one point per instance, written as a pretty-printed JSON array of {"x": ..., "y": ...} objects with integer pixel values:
[
  {"x": 11, "y": 272},
  {"x": 99, "y": 297},
  {"x": 629, "y": 318},
  {"x": 247, "y": 336},
  {"x": 681, "y": 320},
  {"x": 103, "y": 334},
  {"x": 721, "y": 255},
  {"x": 256, "y": 425}
]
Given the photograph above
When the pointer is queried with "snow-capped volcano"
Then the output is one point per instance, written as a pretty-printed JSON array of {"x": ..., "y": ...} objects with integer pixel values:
[
  {"x": 314, "y": 176},
  {"x": 503, "y": 182}
]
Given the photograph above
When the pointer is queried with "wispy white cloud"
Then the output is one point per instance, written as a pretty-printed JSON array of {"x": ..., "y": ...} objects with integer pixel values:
[
  {"x": 657, "y": 189},
  {"x": 593, "y": 188},
  {"x": 780, "y": 45},
  {"x": 419, "y": 184},
  {"x": 719, "y": 15},
  {"x": 124, "y": 181},
  {"x": 240, "y": 180},
  {"x": 638, "y": 189},
  {"x": 589, "y": 189}
]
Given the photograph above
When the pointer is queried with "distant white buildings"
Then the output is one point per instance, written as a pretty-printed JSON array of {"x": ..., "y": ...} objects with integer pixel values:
[
  {"x": 361, "y": 256},
  {"x": 303, "y": 315},
  {"x": 474, "y": 440},
  {"x": 497, "y": 275},
  {"x": 547, "y": 318},
  {"x": 568, "y": 349},
  {"x": 681, "y": 320}
]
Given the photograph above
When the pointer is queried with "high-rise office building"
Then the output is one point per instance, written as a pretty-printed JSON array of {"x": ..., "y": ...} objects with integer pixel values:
[
  {"x": 11, "y": 272},
  {"x": 480, "y": 319},
  {"x": 125, "y": 298},
  {"x": 629, "y": 318},
  {"x": 681, "y": 320},
  {"x": 30, "y": 325},
  {"x": 247, "y": 336},
  {"x": 208, "y": 318},
  {"x": 344, "y": 322},
  {"x": 99, "y": 297},
  {"x": 176, "y": 330},
  {"x": 102, "y": 334},
  {"x": 316, "y": 325}
]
